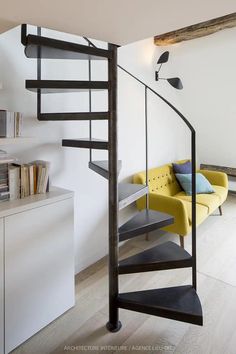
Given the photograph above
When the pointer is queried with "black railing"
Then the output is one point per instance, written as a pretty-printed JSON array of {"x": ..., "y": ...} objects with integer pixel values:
[{"x": 193, "y": 159}]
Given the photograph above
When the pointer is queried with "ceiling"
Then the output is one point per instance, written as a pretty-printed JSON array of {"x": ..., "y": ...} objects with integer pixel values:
[{"x": 116, "y": 21}]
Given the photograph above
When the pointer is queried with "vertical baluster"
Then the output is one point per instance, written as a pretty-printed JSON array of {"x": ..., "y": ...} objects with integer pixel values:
[
  {"x": 38, "y": 75},
  {"x": 146, "y": 145},
  {"x": 90, "y": 106},
  {"x": 194, "y": 251}
]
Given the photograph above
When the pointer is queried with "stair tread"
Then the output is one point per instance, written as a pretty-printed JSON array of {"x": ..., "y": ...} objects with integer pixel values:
[
  {"x": 51, "y": 48},
  {"x": 129, "y": 193},
  {"x": 101, "y": 167},
  {"x": 73, "y": 116},
  {"x": 145, "y": 221},
  {"x": 180, "y": 303},
  {"x": 61, "y": 86},
  {"x": 86, "y": 143},
  {"x": 168, "y": 255}
]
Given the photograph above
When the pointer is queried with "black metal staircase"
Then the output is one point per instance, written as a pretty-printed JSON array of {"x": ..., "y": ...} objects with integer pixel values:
[{"x": 179, "y": 303}]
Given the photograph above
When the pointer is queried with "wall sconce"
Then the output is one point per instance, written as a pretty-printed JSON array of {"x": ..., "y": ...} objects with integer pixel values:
[{"x": 173, "y": 81}]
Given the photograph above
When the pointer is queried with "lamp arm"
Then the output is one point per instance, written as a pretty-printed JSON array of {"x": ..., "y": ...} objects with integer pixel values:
[{"x": 159, "y": 68}]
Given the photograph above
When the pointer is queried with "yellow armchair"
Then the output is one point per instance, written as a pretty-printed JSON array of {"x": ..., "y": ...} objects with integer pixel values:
[{"x": 165, "y": 195}]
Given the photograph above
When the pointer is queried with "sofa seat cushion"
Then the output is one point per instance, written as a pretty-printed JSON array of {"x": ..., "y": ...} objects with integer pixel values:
[
  {"x": 210, "y": 201},
  {"x": 201, "y": 212},
  {"x": 221, "y": 192}
]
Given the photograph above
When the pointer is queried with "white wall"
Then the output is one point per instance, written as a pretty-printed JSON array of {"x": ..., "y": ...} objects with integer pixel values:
[
  {"x": 69, "y": 166},
  {"x": 207, "y": 67}
]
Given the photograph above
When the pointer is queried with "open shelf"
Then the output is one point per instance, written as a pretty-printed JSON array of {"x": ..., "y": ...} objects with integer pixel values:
[{"x": 18, "y": 140}]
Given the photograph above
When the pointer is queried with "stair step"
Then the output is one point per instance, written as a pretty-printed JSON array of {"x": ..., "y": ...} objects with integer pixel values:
[
  {"x": 86, "y": 143},
  {"x": 56, "y": 49},
  {"x": 145, "y": 221},
  {"x": 165, "y": 256},
  {"x": 74, "y": 116},
  {"x": 60, "y": 86},
  {"x": 129, "y": 193},
  {"x": 101, "y": 167},
  {"x": 179, "y": 303}
]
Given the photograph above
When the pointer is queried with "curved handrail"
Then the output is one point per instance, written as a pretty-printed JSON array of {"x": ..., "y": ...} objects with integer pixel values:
[
  {"x": 161, "y": 97},
  {"x": 193, "y": 171},
  {"x": 152, "y": 90},
  {"x": 193, "y": 159}
]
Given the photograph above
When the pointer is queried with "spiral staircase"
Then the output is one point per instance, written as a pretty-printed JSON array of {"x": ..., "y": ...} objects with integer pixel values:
[{"x": 178, "y": 303}]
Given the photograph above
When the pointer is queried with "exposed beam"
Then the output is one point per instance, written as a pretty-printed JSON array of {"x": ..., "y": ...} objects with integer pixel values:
[{"x": 195, "y": 31}]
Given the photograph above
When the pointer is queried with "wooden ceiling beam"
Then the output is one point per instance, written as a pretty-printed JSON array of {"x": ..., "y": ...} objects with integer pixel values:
[{"x": 195, "y": 31}]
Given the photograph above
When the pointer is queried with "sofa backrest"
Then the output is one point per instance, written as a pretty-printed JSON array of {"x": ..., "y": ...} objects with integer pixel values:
[{"x": 161, "y": 180}]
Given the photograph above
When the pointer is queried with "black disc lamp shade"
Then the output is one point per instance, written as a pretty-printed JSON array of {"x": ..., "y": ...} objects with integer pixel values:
[
  {"x": 173, "y": 81},
  {"x": 163, "y": 58}
]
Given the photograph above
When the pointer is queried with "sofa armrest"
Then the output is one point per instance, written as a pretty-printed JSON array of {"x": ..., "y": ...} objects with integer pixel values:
[
  {"x": 174, "y": 207},
  {"x": 216, "y": 178}
]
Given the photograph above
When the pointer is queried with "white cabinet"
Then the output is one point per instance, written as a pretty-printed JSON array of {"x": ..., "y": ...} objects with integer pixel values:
[
  {"x": 1, "y": 288},
  {"x": 39, "y": 264}
]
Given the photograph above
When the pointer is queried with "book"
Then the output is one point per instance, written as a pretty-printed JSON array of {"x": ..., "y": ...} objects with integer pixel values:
[
  {"x": 5, "y": 158},
  {"x": 4, "y": 198},
  {"x": 35, "y": 179},
  {"x": 22, "y": 182},
  {"x": 10, "y": 124},
  {"x": 26, "y": 180},
  {"x": 4, "y": 185},
  {"x": 42, "y": 176},
  {"x": 14, "y": 182},
  {"x": 39, "y": 177},
  {"x": 45, "y": 183},
  {"x": 7, "y": 124},
  {"x": 31, "y": 179},
  {"x": 4, "y": 188},
  {"x": 18, "y": 124}
]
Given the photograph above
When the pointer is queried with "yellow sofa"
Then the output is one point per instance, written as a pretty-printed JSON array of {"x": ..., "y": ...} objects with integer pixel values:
[{"x": 166, "y": 195}]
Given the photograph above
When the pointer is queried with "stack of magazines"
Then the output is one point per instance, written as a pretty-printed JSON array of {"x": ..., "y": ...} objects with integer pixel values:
[{"x": 5, "y": 159}]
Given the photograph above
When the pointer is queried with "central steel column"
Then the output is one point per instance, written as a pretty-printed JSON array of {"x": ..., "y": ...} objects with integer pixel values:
[{"x": 113, "y": 324}]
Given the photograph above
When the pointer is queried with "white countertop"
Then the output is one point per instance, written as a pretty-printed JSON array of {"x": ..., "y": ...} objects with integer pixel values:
[{"x": 17, "y": 206}]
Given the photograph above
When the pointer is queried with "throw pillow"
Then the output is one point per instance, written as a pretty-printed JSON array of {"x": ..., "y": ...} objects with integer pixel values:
[
  {"x": 185, "y": 167},
  {"x": 203, "y": 186}
]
